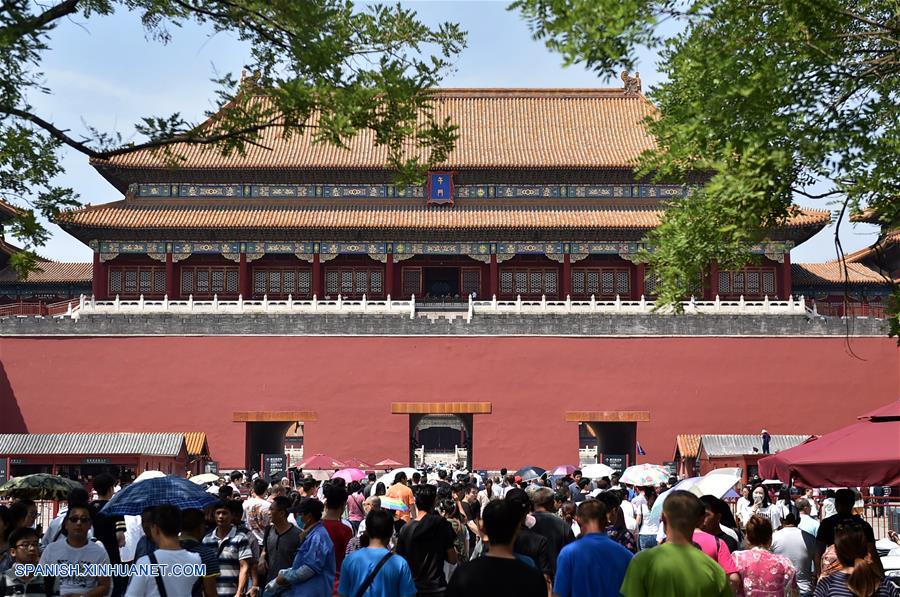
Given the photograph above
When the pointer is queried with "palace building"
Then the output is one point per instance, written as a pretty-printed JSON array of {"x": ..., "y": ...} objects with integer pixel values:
[{"x": 537, "y": 204}]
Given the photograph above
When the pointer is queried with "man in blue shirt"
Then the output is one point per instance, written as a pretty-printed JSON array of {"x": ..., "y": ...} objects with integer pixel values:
[
  {"x": 593, "y": 565},
  {"x": 392, "y": 579}
]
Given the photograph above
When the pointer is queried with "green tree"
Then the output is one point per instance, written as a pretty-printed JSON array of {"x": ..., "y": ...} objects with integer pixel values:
[
  {"x": 767, "y": 98},
  {"x": 358, "y": 69}
]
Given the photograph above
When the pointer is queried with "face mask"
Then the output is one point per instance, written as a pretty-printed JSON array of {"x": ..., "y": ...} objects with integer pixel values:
[{"x": 757, "y": 499}]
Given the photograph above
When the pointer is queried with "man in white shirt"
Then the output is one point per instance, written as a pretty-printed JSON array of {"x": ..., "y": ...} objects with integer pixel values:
[
  {"x": 800, "y": 548},
  {"x": 236, "y": 478},
  {"x": 77, "y": 550},
  {"x": 183, "y": 567},
  {"x": 256, "y": 510},
  {"x": 807, "y": 523}
]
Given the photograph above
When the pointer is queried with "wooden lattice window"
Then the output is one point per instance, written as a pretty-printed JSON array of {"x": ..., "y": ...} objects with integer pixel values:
[
  {"x": 751, "y": 283},
  {"x": 412, "y": 281},
  {"x": 601, "y": 282},
  {"x": 529, "y": 282},
  {"x": 470, "y": 281},
  {"x": 203, "y": 281},
  {"x": 353, "y": 282},
  {"x": 133, "y": 281},
  {"x": 279, "y": 282}
]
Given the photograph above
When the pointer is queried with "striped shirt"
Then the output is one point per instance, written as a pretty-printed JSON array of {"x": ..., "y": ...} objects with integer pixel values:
[{"x": 234, "y": 548}]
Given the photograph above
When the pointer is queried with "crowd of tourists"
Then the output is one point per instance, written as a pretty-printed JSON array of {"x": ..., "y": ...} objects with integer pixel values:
[{"x": 454, "y": 536}]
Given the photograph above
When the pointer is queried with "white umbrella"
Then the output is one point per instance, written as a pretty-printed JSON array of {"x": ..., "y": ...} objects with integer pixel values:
[
  {"x": 148, "y": 475},
  {"x": 596, "y": 471},
  {"x": 204, "y": 478},
  {"x": 644, "y": 475},
  {"x": 388, "y": 478},
  {"x": 715, "y": 483}
]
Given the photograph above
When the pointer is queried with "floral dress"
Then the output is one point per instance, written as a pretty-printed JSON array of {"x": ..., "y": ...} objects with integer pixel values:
[{"x": 765, "y": 574}]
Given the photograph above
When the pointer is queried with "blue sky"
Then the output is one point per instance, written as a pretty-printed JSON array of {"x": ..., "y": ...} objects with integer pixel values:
[{"x": 106, "y": 73}]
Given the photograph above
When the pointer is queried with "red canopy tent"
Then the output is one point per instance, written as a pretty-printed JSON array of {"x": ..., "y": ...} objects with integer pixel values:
[
  {"x": 321, "y": 462},
  {"x": 859, "y": 455}
]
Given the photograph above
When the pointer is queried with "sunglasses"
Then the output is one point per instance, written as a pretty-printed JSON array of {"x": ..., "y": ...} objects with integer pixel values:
[{"x": 79, "y": 520}]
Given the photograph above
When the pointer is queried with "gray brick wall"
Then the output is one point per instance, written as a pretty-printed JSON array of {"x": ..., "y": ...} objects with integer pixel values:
[{"x": 598, "y": 325}]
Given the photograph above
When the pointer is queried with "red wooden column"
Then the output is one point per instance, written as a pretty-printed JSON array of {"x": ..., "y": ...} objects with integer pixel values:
[
  {"x": 640, "y": 272},
  {"x": 244, "y": 285},
  {"x": 713, "y": 280},
  {"x": 317, "y": 276},
  {"x": 786, "y": 281},
  {"x": 389, "y": 275},
  {"x": 100, "y": 278},
  {"x": 566, "y": 285},
  {"x": 494, "y": 277},
  {"x": 171, "y": 279}
]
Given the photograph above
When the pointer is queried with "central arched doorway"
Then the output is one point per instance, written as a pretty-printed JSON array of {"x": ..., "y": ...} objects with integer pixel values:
[{"x": 441, "y": 440}]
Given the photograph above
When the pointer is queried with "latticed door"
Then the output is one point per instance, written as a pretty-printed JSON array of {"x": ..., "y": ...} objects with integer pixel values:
[
  {"x": 412, "y": 281},
  {"x": 470, "y": 281}
]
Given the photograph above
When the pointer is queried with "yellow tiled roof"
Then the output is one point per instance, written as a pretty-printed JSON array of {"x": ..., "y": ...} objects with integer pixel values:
[
  {"x": 498, "y": 129},
  {"x": 195, "y": 441},
  {"x": 833, "y": 273},
  {"x": 52, "y": 271},
  {"x": 688, "y": 445},
  {"x": 122, "y": 215}
]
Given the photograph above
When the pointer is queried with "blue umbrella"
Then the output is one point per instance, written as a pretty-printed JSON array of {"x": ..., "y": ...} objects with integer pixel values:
[
  {"x": 530, "y": 472},
  {"x": 173, "y": 491}
]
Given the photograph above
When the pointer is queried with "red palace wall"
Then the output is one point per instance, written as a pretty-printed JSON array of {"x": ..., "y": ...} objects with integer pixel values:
[{"x": 689, "y": 385}]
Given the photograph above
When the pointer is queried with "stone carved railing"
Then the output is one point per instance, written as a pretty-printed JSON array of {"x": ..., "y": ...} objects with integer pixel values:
[{"x": 89, "y": 306}]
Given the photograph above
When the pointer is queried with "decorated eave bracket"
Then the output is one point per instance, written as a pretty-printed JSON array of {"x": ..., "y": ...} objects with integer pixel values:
[
  {"x": 439, "y": 190},
  {"x": 379, "y": 251}
]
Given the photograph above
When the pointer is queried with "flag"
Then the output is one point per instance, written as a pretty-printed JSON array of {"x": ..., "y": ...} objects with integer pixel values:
[{"x": 640, "y": 450}]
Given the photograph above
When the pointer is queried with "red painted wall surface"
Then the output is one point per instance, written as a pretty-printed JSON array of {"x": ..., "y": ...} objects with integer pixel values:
[{"x": 689, "y": 385}]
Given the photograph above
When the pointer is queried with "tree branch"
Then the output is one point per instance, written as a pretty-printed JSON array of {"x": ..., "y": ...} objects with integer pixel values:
[
  {"x": 38, "y": 22},
  {"x": 811, "y": 196}
]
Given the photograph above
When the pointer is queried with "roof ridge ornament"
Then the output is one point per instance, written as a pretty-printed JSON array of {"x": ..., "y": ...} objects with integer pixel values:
[{"x": 632, "y": 84}]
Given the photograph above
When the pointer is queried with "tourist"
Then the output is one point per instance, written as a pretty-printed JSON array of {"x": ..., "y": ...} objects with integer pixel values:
[
  {"x": 763, "y": 507},
  {"x": 807, "y": 523},
  {"x": 828, "y": 508},
  {"x": 193, "y": 529},
  {"x": 471, "y": 508},
  {"x": 374, "y": 570},
  {"x": 676, "y": 567},
  {"x": 448, "y": 509},
  {"x": 400, "y": 491},
  {"x": 24, "y": 548},
  {"x": 785, "y": 504},
  {"x": 487, "y": 494},
  {"x": 716, "y": 549},
  {"x": 78, "y": 550},
  {"x": 529, "y": 543},
  {"x": 370, "y": 484},
  {"x": 338, "y": 529},
  {"x": 763, "y": 573},
  {"x": 550, "y": 526},
  {"x": 6, "y": 558},
  {"x": 427, "y": 542},
  {"x": 355, "y": 500},
  {"x": 595, "y": 564},
  {"x": 648, "y": 526},
  {"x": 742, "y": 509},
  {"x": 233, "y": 549},
  {"x": 379, "y": 490},
  {"x": 858, "y": 576},
  {"x": 280, "y": 541},
  {"x": 499, "y": 571},
  {"x": 256, "y": 509},
  {"x": 313, "y": 570},
  {"x": 165, "y": 526},
  {"x": 581, "y": 491},
  {"x": 843, "y": 505},
  {"x": 715, "y": 509},
  {"x": 237, "y": 477},
  {"x": 800, "y": 548},
  {"x": 371, "y": 503},
  {"x": 616, "y": 529}
]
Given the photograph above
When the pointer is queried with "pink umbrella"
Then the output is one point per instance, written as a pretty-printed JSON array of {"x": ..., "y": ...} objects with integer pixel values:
[
  {"x": 357, "y": 463},
  {"x": 349, "y": 474},
  {"x": 563, "y": 470},
  {"x": 320, "y": 462}
]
